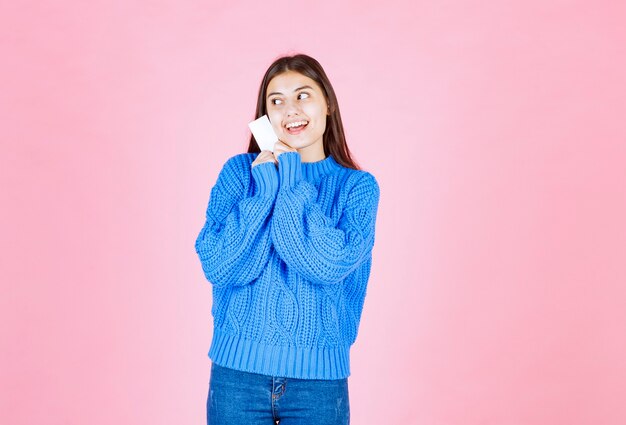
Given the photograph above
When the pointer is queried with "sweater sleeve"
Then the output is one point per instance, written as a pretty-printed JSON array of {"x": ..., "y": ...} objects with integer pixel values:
[
  {"x": 234, "y": 244},
  {"x": 306, "y": 239}
]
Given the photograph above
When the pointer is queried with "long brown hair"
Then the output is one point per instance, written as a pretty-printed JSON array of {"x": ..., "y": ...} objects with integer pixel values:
[{"x": 334, "y": 138}]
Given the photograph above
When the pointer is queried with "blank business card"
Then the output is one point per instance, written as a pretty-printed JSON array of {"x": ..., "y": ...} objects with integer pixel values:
[{"x": 263, "y": 133}]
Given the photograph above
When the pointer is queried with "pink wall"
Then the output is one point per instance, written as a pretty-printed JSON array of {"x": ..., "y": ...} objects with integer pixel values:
[{"x": 497, "y": 132}]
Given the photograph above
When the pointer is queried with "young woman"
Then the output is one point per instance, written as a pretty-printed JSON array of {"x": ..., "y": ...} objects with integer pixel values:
[{"x": 287, "y": 246}]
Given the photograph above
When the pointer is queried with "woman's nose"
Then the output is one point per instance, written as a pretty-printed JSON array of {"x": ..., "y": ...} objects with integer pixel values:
[{"x": 292, "y": 108}]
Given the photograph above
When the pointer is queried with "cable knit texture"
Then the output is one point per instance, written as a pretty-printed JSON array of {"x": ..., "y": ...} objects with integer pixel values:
[{"x": 288, "y": 251}]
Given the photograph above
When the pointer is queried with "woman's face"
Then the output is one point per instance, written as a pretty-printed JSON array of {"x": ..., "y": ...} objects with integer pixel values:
[{"x": 297, "y": 109}]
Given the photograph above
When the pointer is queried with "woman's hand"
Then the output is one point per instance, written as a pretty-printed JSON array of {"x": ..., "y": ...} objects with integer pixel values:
[
  {"x": 264, "y": 156},
  {"x": 282, "y": 147}
]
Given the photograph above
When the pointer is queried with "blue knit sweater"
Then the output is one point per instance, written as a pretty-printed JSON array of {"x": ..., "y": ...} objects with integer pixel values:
[{"x": 288, "y": 251}]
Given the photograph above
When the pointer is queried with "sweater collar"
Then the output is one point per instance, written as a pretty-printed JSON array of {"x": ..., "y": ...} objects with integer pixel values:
[{"x": 313, "y": 170}]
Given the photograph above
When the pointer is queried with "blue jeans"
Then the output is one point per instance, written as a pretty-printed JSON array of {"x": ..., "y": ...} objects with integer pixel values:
[{"x": 242, "y": 398}]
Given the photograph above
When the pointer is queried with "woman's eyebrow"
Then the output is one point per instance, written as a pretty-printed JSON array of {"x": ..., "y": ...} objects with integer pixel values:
[{"x": 298, "y": 89}]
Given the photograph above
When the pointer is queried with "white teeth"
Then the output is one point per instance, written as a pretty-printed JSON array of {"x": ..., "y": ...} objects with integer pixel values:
[{"x": 296, "y": 124}]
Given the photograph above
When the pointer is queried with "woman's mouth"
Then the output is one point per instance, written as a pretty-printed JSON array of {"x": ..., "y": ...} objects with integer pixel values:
[{"x": 296, "y": 127}]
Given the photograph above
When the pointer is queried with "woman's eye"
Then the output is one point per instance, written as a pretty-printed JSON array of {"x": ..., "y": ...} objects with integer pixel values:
[
  {"x": 303, "y": 95},
  {"x": 276, "y": 101}
]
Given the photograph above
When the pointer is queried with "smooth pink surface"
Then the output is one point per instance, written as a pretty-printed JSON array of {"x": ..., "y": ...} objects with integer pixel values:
[{"x": 497, "y": 132}]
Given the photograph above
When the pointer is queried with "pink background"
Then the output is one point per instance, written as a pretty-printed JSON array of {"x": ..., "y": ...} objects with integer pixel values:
[{"x": 496, "y": 130}]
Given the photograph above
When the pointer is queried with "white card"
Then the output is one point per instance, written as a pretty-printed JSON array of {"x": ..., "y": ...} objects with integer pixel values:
[{"x": 263, "y": 133}]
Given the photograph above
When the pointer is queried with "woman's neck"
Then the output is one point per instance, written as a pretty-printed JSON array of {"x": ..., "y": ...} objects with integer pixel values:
[{"x": 312, "y": 153}]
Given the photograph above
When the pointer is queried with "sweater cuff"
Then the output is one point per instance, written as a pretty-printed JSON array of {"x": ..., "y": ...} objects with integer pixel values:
[
  {"x": 266, "y": 178},
  {"x": 290, "y": 169}
]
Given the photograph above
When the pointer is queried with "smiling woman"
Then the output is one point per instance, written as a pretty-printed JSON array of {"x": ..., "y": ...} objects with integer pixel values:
[
  {"x": 287, "y": 246},
  {"x": 297, "y": 109},
  {"x": 305, "y": 76}
]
